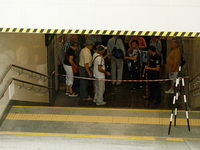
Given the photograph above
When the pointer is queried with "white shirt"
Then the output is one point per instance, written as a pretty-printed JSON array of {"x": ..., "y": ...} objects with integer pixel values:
[
  {"x": 85, "y": 57},
  {"x": 98, "y": 61}
]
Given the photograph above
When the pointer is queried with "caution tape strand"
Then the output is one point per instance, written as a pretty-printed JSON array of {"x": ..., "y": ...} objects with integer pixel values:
[{"x": 87, "y": 78}]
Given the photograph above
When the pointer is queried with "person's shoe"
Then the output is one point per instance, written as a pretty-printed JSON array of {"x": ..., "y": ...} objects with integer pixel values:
[
  {"x": 170, "y": 91},
  {"x": 94, "y": 100},
  {"x": 73, "y": 94},
  {"x": 157, "y": 103},
  {"x": 140, "y": 87},
  {"x": 133, "y": 89},
  {"x": 102, "y": 103},
  {"x": 67, "y": 93},
  {"x": 87, "y": 99},
  {"x": 149, "y": 98}
]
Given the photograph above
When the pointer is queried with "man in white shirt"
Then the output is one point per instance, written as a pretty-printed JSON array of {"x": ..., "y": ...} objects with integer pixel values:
[
  {"x": 85, "y": 62},
  {"x": 99, "y": 73}
]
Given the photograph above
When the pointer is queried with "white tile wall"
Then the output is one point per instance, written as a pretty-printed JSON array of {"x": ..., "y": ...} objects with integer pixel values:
[
  {"x": 12, "y": 14},
  {"x": 38, "y": 16},
  {"x": 191, "y": 3},
  {"x": 78, "y": 2},
  {"x": 77, "y": 16},
  {"x": 113, "y": 2},
  {"x": 152, "y": 19},
  {"x": 184, "y": 19},
  {"x": 168, "y": 15},
  {"x": 150, "y": 2},
  {"x": 118, "y": 18}
]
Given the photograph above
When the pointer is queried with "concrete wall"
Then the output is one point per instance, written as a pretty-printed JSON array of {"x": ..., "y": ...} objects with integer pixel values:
[
  {"x": 194, "y": 71},
  {"x": 133, "y": 15},
  {"x": 25, "y": 50}
]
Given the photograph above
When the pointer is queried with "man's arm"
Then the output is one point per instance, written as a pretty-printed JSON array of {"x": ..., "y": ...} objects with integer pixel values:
[
  {"x": 153, "y": 69},
  {"x": 87, "y": 69},
  {"x": 131, "y": 58},
  {"x": 103, "y": 71},
  {"x": 108, "y": 48},
  {"x": 173, "y": 68},
  {"x": 107, "y": 55}
]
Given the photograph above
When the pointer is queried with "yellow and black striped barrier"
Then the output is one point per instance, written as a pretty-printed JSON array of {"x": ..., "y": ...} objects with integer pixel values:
[{"x": 100, "y": 32}]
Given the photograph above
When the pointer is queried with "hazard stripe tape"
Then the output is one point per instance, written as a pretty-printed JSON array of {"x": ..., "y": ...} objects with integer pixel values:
[
  {"x": 100, "y": 32},
  {"x": 117, "y": 80}
]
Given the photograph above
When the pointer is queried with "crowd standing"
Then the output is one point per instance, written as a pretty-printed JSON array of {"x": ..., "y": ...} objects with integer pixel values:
[{"x": 86, "y": 55}]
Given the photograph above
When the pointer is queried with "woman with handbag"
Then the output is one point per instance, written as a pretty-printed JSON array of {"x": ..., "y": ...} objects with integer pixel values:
[{"x": 70, "y": 67}]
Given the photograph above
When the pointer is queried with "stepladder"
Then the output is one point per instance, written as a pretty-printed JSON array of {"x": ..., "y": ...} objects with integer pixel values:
[{"x": 175, "y": 99}]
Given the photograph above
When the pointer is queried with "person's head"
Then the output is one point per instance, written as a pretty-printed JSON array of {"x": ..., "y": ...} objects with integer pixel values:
[
  {"x": 151, "y": 49},
  {"x": 134, "y": 44},
  {"x": 96, "y": 45},
  {"x": 101, "y": 49},
  {"x": 59, "y": 38},
  {"x": 174, "y": 44},
  {"x": 89, "y": 44},
  {"x": 74, "y": 39},
  {"x": 153, "y": 38}
]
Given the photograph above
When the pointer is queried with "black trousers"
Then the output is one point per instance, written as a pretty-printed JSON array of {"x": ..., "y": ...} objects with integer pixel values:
[
  {"x": 154, "y": 86},
  {"x": 83, "y": 83},
  {"x": 136, "y": 76}
]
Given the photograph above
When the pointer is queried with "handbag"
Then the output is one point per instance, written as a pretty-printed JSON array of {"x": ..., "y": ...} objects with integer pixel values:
[
  {"x": 117, "y": 53},
  {"x": 74, "y": 69}
]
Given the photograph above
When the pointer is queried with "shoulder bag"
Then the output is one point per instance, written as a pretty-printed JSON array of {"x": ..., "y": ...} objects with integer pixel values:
[{"x": 117, "y": 53}]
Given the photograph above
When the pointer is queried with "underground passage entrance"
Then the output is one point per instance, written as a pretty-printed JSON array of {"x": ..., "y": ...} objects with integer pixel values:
[
  {"x": 41, "y": 56},
  {"x": 122, "y": 96}
]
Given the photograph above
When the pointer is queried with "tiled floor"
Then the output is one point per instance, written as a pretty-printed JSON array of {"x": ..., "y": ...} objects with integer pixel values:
[{"x": 122, "y": 97}]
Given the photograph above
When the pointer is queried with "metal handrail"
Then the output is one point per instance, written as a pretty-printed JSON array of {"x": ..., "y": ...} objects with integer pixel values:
[
  {"x": 14, "y": 79},
  {"x": 30, "y": 71},
  {"x": 194, "y": 78},
  {"x": 12, "y": 65}
]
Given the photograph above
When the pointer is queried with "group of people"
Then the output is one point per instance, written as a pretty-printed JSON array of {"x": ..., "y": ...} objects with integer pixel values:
[{"x": 89, "y": 60}]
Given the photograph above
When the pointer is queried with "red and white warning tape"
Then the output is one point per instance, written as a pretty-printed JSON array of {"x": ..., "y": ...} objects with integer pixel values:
[{"x": 118, "y": 80}]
